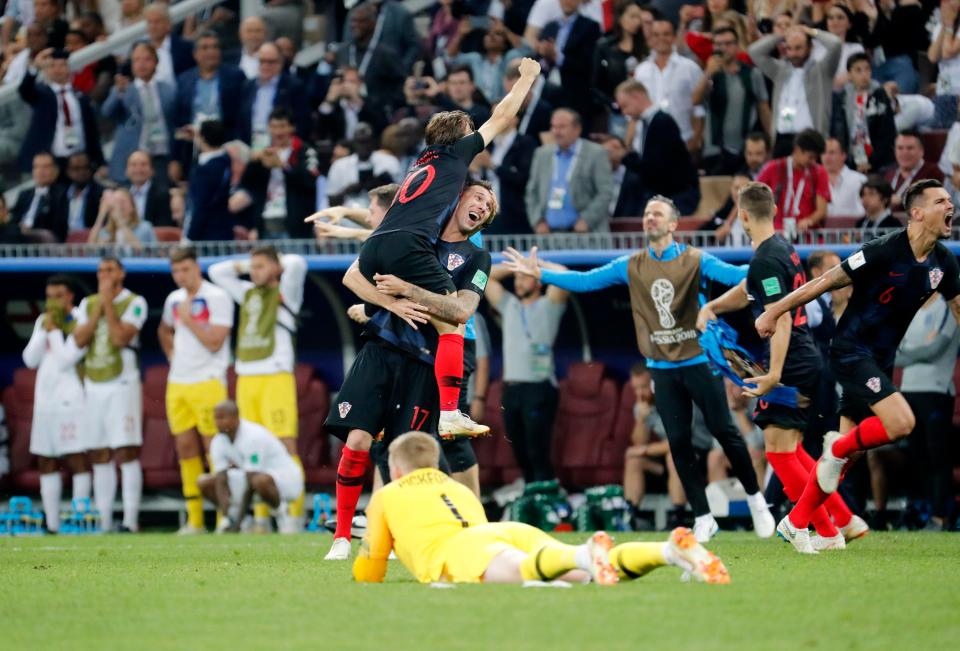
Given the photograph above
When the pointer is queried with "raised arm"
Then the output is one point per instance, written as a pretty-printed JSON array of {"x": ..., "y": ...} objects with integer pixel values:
[
  {"x": 722, "y": 272},
  {"x": 610, "y": 274},
  {"x": 836, "y": 278},
  {"x": 762, "y": 54},
  {"x": 509, "y": 106},
  {"x": 334, "y": 214},
  {"x": 226, "y": 276}
]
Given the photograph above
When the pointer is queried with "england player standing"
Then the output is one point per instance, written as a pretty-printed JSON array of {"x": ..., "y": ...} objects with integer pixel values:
[
  {"x": 194, "y": 332},
  {"x": 892, "y": 277},
  {"x": 108, "y": 326},
  {"x": 55, "y": 433}
]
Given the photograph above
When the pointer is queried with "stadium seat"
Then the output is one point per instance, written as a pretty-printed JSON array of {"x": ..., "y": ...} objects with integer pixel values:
[
  {"x": 313, "y": 445},
  {"x": 19, "y": 414},
  {"x": 627, "y": 225},
  {"x": 714, "y": 192},
  {"x": 933, "y": 143},
  {"x": 167, "y": 233},
  {"x": 690, "y": 223},
  {"x": 158, "y": 456},
  {"x": 79, "y": 236},
  {"x": 584, "y": 424},
  {"x": 486, "y": 447}
]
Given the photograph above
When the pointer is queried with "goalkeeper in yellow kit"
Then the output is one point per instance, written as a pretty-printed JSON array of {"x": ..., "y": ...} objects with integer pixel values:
[{"x": 440, "y": 533}]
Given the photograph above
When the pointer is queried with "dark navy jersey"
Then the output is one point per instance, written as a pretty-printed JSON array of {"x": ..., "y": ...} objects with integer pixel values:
[
  {"x": 469, "y": 266},
  {"x": 889, "y": 286},
  {"x": 431, "y": 189},
  {"x": 775, "y": 271}
]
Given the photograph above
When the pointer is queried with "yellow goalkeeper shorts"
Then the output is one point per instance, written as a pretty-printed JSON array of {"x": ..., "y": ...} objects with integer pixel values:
[
  {"x": 467, "y": 554},
  {"x": 191, "y": 405},
  {"x": 271, "y": 401}
]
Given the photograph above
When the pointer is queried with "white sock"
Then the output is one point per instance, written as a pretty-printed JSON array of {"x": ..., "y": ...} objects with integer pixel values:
[
  {"x": 132, "y": 477},
  {"x": 757, "y": 501},
  {"x": 583, "y": 558},
  {"x": 51, "y": 485},
  {"x": 104, "y": 492},
  {"x": 82, "y": 482}
]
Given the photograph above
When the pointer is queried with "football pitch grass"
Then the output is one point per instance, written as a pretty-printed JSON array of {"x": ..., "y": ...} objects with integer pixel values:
[{"x": 157, "y": 591}]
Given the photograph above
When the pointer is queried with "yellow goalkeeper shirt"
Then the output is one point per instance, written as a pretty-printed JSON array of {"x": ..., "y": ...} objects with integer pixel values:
[{"x": 416, "y": 515}]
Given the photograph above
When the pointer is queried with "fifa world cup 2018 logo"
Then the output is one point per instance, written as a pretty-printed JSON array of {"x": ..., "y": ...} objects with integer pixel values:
[
  {"x": 101, "y": 344},
  {"x": 254, "y": 308},
  {"x": 662, "y": 293}
]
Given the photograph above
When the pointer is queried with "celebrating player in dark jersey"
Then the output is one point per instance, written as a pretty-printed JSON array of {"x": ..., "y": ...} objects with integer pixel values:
[
  {"x": 892, "y": 276},
  {"x": 793, "y": 356},
  {"x": 402, "y": 245}
]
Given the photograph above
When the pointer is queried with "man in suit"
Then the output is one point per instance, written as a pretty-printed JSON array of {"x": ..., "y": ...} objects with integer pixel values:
[
  {"x": 397, "y": 30},
  {"x": 624, "y": 201},
  {"x": 209, "y": 217},
  {"x": 281, "y": 181},
  {"x": 144, "y": 111},
  {"x": 253, "y": 34},
  {"x": 210, "y": 91},
  {"x": 570, "y": 181},
  {"x": 175, "y": 54},
  {"x": 506, "y": 165},
  {"x": 273, "y": 88},
  {"x": 656, "y": 151},
  {"x": 151, "y": 197},
  {"x": 565, "y": 47},
  {"x": 83, "y": 194},
  {"x": 875, "y": 195},
  {"x": 63, "y": 121},
  {"x": 910, "y": 166},
  {"x": 345, "y": 106},
  {"x": 43, "y": 207}
]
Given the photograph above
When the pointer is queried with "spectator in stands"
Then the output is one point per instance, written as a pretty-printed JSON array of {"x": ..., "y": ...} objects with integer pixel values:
[
  {"x": 15, "y": 66},
  {"x": 144, "y": 109},
  {"x": 530, "y": 321},
  {"x": 175, "y": 55},
  {"x": 209, "y": 215},
  {"x": 839, "y": 22},
  {"x": 16, "y": 14},
  {"x": 490, "y": 63},
  {"x": 729, "y": 229},
  {"x": 10, "y": 232},
  {"x": 210, "y": 91},
  {"x": 63, "y": 121},
  {"x": 281, "y": 181},
  {"x": 382, "y": 67},
  {"x": 845, "y": 183},
  {"x": 670, "y": 81},
  {"x": 570, "y": 181},
  {"x": 506, "y": 165},
  {"x": 800, "y": 185},
  {"x": 756, "y": 153},
  {"x": 92, "y": 25},
  {"x": 900, "y": 30},
  {"x": 289, "y": 52},
  {"x": 273, "y": 88},
  {"x": 564, "y": 45},
  {"x": 736, "y": 98},
  {"x": 657, "y": 152},
  {"x": 151, "y": 197},
  {"x": 624, "y": 200},
  {"x": 43, "y": 206},
  {"x": 82, "y": 194},
  {"x": 875, "y": 195},
  {"x": 617, "y": 56},
  {"x": 461, "y": 94},
  {"x": 536, "y": 109},
  {"x": 944, "y": 50},
  {"x": 542, "y": 12},
  {"x": 910, "y": 166},
  {"x": 90, "y": 29},
  {"x": 446, "y": 27},
  {"x": 397, "y": 33},
  {"x": 346, "y": 106},
  {"x": 119, "y": 223},
  {"x": 648, "y": 440},
  {"x": 253, "y": 34},
  {"x": 46, "y": 13},
  {"x": 802, "y": 91},
  {"x": 351, "y": 177},
  {"x": 928, "y": 355},
  {"x": 131, "y": 13},
  {"x": 863, "y": 118}
]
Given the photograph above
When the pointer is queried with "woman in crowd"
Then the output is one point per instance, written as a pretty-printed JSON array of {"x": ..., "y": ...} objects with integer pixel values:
[{"x": 118, "y": 222}]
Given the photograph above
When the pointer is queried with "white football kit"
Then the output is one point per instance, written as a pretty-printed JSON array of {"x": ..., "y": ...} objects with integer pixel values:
[{"x": 256, "y": 449}]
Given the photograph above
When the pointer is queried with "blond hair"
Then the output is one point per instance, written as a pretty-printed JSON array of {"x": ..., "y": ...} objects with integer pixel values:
[
  {"x": 414, "y": 450},
  {"x": 134, "y": 221}
]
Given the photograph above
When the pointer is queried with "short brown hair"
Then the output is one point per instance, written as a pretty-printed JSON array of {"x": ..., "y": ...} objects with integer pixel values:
[
  {"x": 494, "y": 202},
  {"x": 757, "y": 200},
  {"x": 181, "y": 253},
  {"x": 447, "y": 127},
  {"x": 267, "y": 251},
  {"x": 415, "y": 450},
  {"x": 384, "y": 194}
]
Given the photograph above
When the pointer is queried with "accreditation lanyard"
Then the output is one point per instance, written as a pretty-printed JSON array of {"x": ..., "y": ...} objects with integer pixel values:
[
  {"x": 570, "y": 168},
  {"x": 371, "y": 46},
  {"x": 791, "y": 203},
  {"x": 899, "y": 188}
]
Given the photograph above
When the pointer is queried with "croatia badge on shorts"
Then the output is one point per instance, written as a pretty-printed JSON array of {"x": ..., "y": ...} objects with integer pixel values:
[
  {"x": 454, "y": 260},
  {"x": 936, "y": 275}
]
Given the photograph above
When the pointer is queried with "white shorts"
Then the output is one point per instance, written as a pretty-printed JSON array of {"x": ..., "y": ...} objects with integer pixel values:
[
  {"x": 56, "y": 430},
  {"x": 114, "y": 415}
]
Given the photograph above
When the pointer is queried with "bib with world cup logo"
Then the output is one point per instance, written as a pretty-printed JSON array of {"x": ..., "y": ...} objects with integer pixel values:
[{"x": 256, "y": 336}]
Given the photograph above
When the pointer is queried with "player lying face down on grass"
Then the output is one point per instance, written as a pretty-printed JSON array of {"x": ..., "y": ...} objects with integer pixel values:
[
  {"x": 247, "y": 459},
  {"x": 440, "y": 533},
  {"x": 892, "y": 277}
]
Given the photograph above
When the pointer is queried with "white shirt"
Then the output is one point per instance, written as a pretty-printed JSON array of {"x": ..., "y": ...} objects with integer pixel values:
[
  {"x": 225, "y": 276},
  {"x": 547, "y": 11},
  {"x": 948, "y": 75},
  {"x": 135, "y": 314},
  {"x": 62, "y": 145},
  {"x": 18, "y": 67},
  {"x": 671, "y": 89},
  {"x": 253, "y": 449},
  {"x": 140, "y": 197},
  {"x": 345, "y": 172},
  {"x": 793, "y": 111},
  {"x": 250, "y": 64},
  {"x": 192, "y": 361},
  {"x": 165, "y": 70},
  {"x": 276, "y": 206},
  {"x": 845, "y": 194},
  {"x": 55, "y": 357},
  {"x": 31, "y": 215}
]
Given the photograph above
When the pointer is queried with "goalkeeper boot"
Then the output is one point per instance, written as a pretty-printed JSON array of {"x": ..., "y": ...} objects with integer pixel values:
[
  {"x": 702, "y": 565},
  {"x": 601, "y": 569}
]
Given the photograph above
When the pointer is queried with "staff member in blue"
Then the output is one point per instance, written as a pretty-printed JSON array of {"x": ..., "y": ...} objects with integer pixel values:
[{"x": 664, "y": 280}]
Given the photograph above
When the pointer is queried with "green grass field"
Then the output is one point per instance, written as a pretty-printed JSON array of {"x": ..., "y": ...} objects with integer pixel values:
[{"x": 154, "y": 591}]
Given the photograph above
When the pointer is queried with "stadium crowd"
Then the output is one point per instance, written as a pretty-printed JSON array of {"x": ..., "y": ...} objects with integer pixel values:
[{"x": 216, "y": 134}]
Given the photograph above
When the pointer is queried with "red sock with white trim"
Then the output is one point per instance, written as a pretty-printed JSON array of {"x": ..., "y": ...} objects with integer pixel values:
[
  {"x": 350, "y": 471},
  {"x": 449, "y": 370},
  {"x": 868, "y": 434},
  {"x": 791, "y": 473}
]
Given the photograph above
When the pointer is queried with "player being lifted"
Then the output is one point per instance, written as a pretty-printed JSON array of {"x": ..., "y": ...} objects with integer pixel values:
[
  {"x": 793, "y": 358},
  {"x": 402, "y": 245},
  {"x": 892, "y": 276},
  {"x": 58, "y": 401},
  {"x": 266, "y": 389},
  {"x": 194, "y": 332},
  {"x": 440, "y": 533}
]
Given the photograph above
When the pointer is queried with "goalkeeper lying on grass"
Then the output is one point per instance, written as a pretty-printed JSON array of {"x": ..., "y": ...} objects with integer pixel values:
[{"x": 440, "y": 533}]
